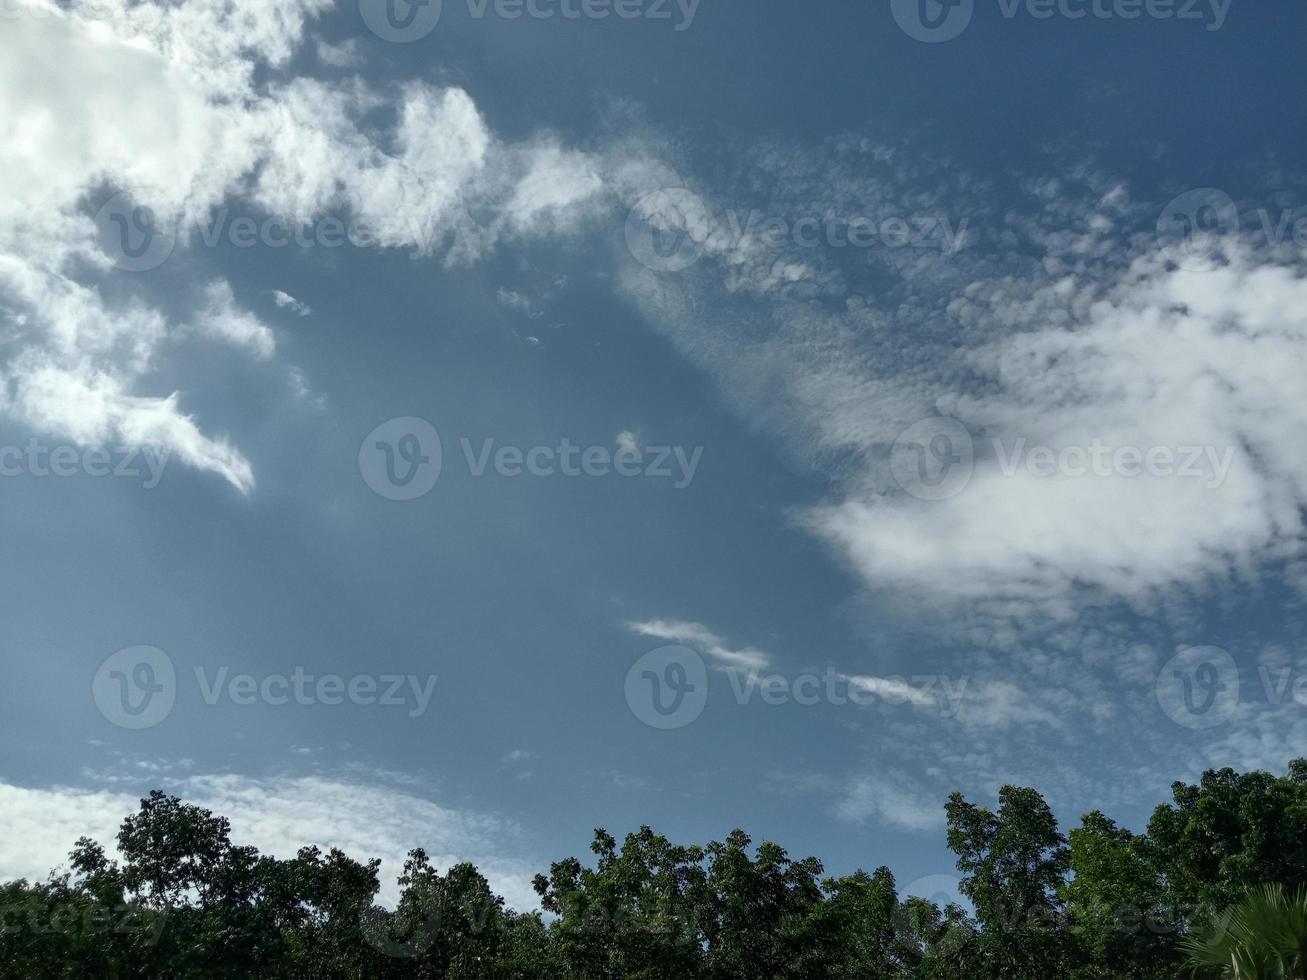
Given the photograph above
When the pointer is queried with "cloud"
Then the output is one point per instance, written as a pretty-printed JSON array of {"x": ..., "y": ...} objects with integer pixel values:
[
  {"x": 704, "y": 640},
  {"x": 278, "y": 816},
  {"x": 343, "y": 55},
  {"x": 288, "y": 302},
  {"x": 890, "y": 799},
  {"x": 1063, "y": 322},
  {"x": 221, "y": 319},
  {"x": 513, "y": 300},
  {"x": 1166, "y": 358},
  {"x": 891, "y": 689},
  {"x": 174, "y": 111}
]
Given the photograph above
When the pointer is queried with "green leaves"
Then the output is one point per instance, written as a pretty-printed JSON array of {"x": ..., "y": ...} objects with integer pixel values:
[
  {"x": 1263, "y": 937},
  {"x": 183, "y": 900}
]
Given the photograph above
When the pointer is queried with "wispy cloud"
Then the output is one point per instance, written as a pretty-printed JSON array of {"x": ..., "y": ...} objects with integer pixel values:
[{"x": 704, "y": 640}]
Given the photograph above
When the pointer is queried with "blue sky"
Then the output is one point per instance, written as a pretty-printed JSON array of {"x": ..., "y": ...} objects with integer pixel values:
[{"x": 932, "y": 398}]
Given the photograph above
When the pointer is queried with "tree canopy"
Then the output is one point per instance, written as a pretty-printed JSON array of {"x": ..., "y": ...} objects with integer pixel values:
[{"x": 1202, "y": 888}]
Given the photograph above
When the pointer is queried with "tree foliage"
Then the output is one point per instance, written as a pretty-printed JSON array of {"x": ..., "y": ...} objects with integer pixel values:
[{"x": 1215, "y": 883}]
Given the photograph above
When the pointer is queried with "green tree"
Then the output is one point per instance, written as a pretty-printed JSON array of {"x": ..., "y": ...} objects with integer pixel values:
[
  {"x": 1263, "y": 937},
  {"x": 1118, "y": 914},
  {"x": 1014, "y": 862},
  {"x": 1232, "y": 832}
]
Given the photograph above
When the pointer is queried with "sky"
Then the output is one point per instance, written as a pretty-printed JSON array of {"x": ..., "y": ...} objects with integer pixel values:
[{"x": 467, "y": 424}]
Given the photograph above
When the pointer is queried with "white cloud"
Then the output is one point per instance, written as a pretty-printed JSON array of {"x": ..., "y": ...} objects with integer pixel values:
[
  {"x": 221, "y": 319},
  {"x": 891, "y": 689},
  {"x": 891, "y": 799},
  {"x": 343, "y": 55},
  {"x": 288, "y": 302},
  {"x": 513, "y": 300},
  {"x": 704, "y": 640},
  {"x": 1059, "y": 324},
  {"x": 1164, "y": 357},
  {"x": 164, "y": 102}
]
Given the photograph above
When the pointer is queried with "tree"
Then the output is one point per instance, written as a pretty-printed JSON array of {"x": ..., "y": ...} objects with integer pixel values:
[
  {"x": 1231, "y": 832},
  {"x": 1014, "y": 861},
  {"x": 1118, "y": 913},
  {"x": 1263, "y": 937},
  {"x": 180, "y": 899},
  {"x": 637, "y": 913}
]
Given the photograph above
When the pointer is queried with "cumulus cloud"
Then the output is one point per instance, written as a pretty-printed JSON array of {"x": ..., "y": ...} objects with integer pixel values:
[
  {"x": 1190, "y": 364},
  {"x": 165, "y": 106}
]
